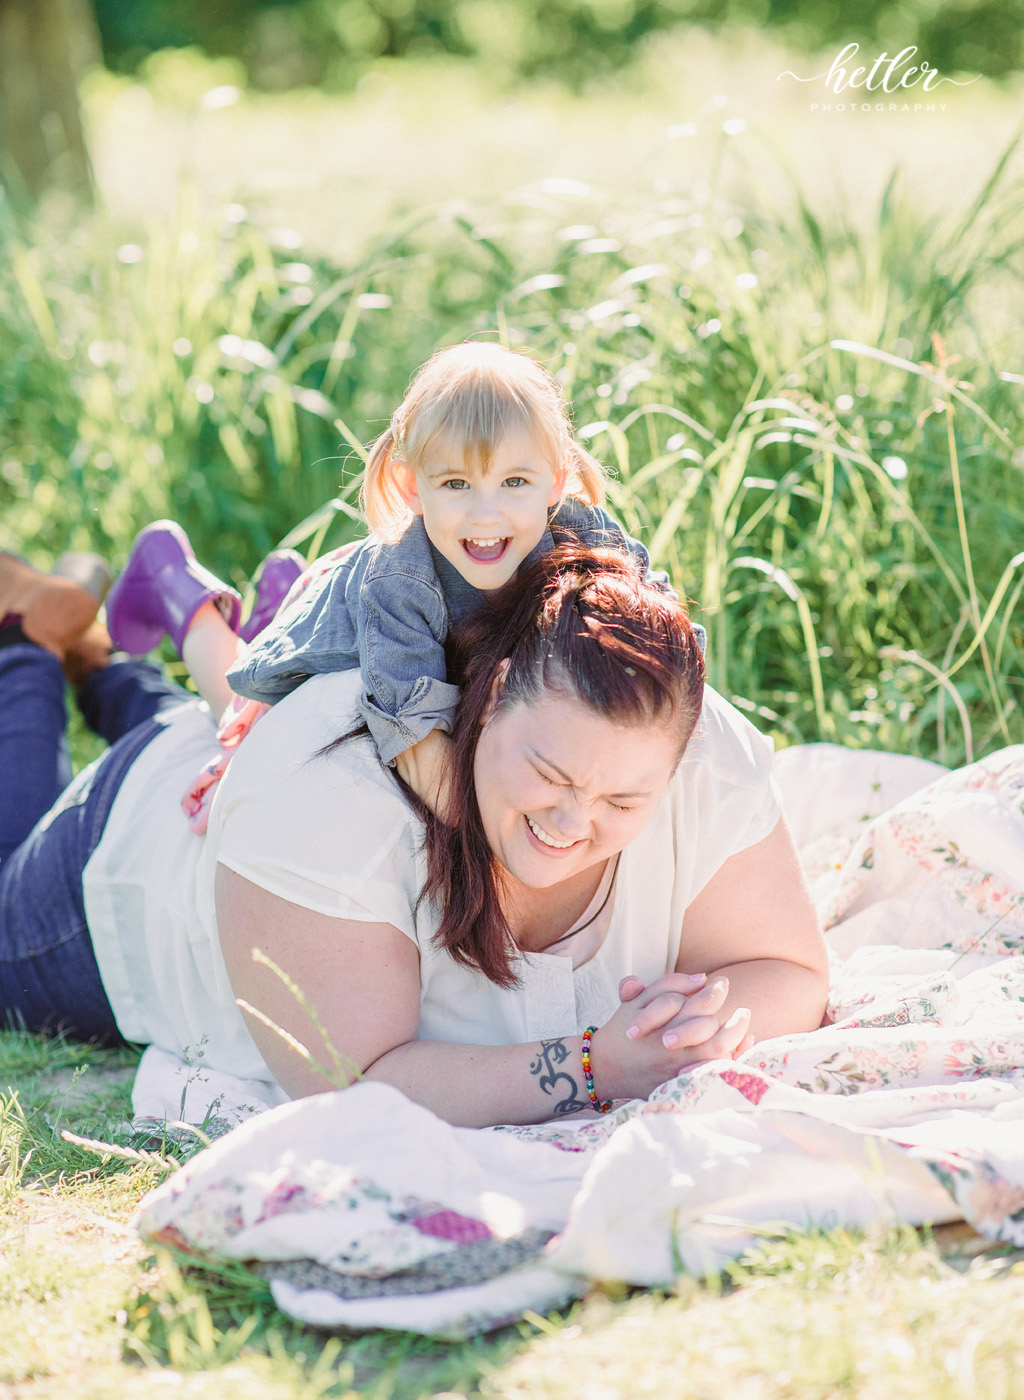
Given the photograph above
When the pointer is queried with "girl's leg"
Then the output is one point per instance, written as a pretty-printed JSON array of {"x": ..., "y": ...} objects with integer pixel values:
[
  {"x": 209, "y": 649},
  {"x": 165, "y": 591},
  {"x": 118, "y": 693}
]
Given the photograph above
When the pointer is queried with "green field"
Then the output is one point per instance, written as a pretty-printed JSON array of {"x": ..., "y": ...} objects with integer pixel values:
[
  {"x": 803, "y": 370},
  {"x": 812, "y": 416}
]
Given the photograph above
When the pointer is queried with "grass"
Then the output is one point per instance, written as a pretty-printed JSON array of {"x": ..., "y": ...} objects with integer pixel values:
[
  {"x": 771, "y": 372},
  {"x": 814, "y": 1316},
  {"x": 83, "y": 1306}
]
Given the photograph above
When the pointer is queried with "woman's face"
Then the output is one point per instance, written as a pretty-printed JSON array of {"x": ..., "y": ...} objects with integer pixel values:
[{"x": 561, "y": 787}]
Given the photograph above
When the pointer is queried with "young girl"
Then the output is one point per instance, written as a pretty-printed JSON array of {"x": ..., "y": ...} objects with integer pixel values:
[{"x": 477, "y": 472}]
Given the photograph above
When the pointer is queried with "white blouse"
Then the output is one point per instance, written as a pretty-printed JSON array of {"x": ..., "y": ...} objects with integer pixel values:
[{"x": 332, "y": 833}]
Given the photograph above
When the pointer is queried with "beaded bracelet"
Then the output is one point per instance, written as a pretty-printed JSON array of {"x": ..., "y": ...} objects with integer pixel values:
[{"x": 588, "y": 1074}]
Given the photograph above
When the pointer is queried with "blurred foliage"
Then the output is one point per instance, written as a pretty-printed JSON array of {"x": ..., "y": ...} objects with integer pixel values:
[
  {"x": 287, "y": 43},
  {"x": 849, "y": 521}
]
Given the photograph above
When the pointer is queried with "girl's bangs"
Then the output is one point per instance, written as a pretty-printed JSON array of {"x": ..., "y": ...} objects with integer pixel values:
[{"x": 477, "y": 419}]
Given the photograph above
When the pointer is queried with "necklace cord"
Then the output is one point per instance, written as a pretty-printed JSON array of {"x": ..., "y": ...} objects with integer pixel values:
[{"x": 593, "y": 918}]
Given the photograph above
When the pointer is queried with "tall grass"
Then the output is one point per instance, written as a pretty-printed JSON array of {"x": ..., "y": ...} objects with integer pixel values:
[
  {"x": 790, "y": 430},
  {"x": 815, "y": 430}
]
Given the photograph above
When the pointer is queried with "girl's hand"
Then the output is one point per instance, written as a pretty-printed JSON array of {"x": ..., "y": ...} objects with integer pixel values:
[
  {"x": 425, "y": 768},
  {"x": 662, "y": 1029}
]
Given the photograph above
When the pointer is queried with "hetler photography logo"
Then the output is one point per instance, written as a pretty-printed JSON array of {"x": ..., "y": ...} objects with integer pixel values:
[{"x": 890, "y": 76}]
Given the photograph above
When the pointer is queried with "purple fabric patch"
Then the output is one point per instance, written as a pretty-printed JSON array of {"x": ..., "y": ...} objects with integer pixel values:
[{"x": 449, "y": 1225}]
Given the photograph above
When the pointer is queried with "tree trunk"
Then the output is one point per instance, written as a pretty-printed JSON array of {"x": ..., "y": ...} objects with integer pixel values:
[{"x": 45, "y": 47}]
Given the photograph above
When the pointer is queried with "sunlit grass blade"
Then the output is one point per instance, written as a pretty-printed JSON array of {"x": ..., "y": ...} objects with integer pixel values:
[{"x": 782, "y": 580}]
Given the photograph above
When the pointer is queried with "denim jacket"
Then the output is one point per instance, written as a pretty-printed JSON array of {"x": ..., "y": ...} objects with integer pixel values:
[{"x": 386, "y": 609}]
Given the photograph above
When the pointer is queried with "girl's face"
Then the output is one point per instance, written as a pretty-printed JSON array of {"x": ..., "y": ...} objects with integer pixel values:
[
  {"x": 485, "y": 523},
  {"x": 562, "y": 787}
]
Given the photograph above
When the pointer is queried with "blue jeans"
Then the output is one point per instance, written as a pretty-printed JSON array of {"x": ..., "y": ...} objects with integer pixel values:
[{"x": 50, "y": 825}]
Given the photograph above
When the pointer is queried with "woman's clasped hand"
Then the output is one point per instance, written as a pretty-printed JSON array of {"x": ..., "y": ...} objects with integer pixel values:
[{"x": 663, "y": 1028}]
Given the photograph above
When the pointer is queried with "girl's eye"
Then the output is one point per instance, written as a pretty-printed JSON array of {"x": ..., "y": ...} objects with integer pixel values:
[
  {"x": 515, "y": 481},
  {"x": 456, "y": 485}
]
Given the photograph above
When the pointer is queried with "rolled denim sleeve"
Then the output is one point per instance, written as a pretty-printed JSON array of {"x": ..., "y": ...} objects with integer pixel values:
[
  {"x": 430, "y": 705},
  {"x": 316, "y": 634},
  {"x": 403, "y": 625}
]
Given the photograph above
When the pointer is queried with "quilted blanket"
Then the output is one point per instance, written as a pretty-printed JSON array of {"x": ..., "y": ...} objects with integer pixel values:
[{"x": 365, "y": 1210}]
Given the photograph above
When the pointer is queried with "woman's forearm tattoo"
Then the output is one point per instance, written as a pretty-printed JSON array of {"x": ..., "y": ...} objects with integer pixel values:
[{"x": 555, "y": 1081}]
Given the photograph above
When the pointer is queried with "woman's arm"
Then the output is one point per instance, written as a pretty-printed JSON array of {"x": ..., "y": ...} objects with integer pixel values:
[
  {"x": 363, "y": 980},
  {"x": 753, "y": 923}
]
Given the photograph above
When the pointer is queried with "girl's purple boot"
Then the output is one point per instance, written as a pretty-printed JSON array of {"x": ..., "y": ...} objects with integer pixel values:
[
  {"x": 277, "y": 574},
  {"x": 162, "y": 588}
]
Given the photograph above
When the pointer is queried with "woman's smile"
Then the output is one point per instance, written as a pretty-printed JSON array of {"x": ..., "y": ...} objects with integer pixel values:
[
  {"x": 546, "y": 842},
  {"x": 562, "y": 788}
]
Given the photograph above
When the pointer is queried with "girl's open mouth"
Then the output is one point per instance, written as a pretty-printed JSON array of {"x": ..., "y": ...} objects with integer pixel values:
[{"x": 486, "y": 551}]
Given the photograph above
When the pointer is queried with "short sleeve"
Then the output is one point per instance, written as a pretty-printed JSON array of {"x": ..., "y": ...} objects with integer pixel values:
[
  {"x": 763, "y": 819},
  {"x": 320, "y": 824},
  {"x": 726, "y": 797}
]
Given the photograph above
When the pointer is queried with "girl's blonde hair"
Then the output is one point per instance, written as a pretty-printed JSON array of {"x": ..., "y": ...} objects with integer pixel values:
[{"x": 473, "y": 394}]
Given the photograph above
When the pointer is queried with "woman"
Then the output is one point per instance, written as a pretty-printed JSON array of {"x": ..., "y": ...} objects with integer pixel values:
[{"x": 609, "y": 865}]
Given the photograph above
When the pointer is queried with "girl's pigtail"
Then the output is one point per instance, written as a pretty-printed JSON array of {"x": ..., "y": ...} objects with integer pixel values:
[
  {"x": 383, "y": 504},
  {"x": 587, "y": 478}
]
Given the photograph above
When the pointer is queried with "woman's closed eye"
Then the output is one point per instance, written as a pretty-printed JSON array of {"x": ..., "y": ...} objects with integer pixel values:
[{"x": 553, "y": 782}]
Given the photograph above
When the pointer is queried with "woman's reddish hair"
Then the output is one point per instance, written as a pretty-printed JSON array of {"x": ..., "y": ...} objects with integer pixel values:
[{"x": 580, "y": 622}]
